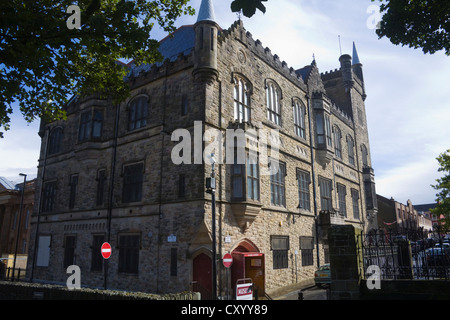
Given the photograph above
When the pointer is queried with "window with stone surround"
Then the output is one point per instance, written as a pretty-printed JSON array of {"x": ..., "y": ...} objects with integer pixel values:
[
  {"x": 337, "y": 142},
  {"x": 138, "y": 113},
  {"x": 304, "y": 181},
  {"x": 241, "y": 95},
  {"x": 49, "y": 198},
  {"x": 351, "y": 150},
  {"x": 325, "y": 186},
  {"x": 355, "y": 203},
  {"x": 91, "y": 124},
  {"x": 55, "y": 140},
  {"x": 73, "y": 190},
  {"x": 277, "y": 185},
  {"x": 96, "y": 258},
  {"x": 273, "y": 98},
  {"x": 323, "y": 130},
  {"x": 307, "y": 248},
  {"x": 342, "y": 193},
  {"x": 133, "y": 178},
  {"x": 245, "y": 178},
  {"x": 280, "y": 250},
  {"x": 69, "y": 250},
  {"x": 129, "y": 246},
  {"x": 299, "y": 118}
]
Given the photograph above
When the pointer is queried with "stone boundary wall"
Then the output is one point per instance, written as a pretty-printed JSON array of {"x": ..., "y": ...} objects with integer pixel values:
[{"x": 36, "y": 291}]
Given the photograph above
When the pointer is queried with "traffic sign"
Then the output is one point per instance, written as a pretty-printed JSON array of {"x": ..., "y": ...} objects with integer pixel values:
[
  {"x": 227, "y": 260},
  {"x": 106, "y": 250}
]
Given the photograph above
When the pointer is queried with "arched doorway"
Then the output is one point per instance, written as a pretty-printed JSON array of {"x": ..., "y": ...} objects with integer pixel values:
[
  {"x": 201, "y": 275},
  {"x": 248, "y": 262}
]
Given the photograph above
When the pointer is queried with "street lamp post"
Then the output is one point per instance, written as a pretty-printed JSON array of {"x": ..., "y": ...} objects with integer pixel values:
[
  {"x": 18, "y": 226},
  {"x": 211, "y": 188}
]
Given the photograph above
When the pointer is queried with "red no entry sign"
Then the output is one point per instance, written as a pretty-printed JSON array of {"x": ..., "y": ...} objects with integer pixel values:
[
  {"x": 106, "y": 250},
  {"x": 227, "y": 260}
]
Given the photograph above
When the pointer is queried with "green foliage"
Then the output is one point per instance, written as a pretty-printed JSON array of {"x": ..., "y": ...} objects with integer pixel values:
[
  {"x": 443, "y": 186},
  {"x": 43, "y": 62},
  {"x": 417, "y": 23},
  {"x": 248, "y": 7}
]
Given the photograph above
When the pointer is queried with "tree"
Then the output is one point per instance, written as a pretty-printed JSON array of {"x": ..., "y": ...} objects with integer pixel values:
[
  {"x": 45, "y": 58},
  {"x": 416, "y": 23},
  {"x": 443, "y": 185}
]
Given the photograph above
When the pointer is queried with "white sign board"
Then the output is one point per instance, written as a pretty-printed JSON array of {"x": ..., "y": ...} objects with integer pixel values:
[{"x": 244, "y": 291}]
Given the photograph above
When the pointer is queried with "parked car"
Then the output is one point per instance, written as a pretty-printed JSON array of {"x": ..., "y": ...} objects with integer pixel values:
[
  {"x": 437, "y": 256},
  {"x": 322, "y": 276}
]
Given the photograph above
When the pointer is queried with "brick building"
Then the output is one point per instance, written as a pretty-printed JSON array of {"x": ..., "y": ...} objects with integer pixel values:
[{"x": 108, "y": 172}]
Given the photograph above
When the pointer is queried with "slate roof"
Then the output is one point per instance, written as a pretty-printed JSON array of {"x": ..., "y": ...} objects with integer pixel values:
[
  {"x": 7, "y": 184},
  {"x": 182, "y": 41}
]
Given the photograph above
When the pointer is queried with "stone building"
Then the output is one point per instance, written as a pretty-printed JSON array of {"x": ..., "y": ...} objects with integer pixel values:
[
  {"x": 15, "y": 226},
  {"x": 108, "y": 172}
]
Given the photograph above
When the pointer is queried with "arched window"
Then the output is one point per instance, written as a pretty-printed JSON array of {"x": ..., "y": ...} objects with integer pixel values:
[
  {"x": 54, "y": 141},
  {"x": 299, "y": 118},
  {"x": 241, "y": 95},
  {"x": 138, "y": 113},
  {"x": 273, "y": 96},
  {"x": 337, "y": 142}
]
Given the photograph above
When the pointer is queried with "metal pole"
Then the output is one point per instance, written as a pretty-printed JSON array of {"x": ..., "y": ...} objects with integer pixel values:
[
  {"x": 18, "y": 226},
  {"x": 214, "y": 249}
]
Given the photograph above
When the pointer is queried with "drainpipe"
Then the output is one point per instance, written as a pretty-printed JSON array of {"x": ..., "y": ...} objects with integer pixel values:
[
  {"x": 41, "y": 193},
  {"x": 316, "y": 216},
  {"x": 111, "y": 192}
]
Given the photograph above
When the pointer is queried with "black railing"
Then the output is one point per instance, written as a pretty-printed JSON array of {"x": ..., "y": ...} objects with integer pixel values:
[
  {"x": 406, "y": 255},
  {"x": 11, "y": 274}
]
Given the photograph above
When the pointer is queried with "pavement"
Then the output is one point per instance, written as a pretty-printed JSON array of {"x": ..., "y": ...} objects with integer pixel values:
[{"x": 290, "y": 292}]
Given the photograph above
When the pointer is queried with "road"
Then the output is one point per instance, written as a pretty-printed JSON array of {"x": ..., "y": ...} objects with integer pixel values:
[{"x": 312, "y": 293}]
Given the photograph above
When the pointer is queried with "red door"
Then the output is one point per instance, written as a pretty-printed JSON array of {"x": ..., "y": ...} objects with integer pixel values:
[{"x": 201, "y": 274}]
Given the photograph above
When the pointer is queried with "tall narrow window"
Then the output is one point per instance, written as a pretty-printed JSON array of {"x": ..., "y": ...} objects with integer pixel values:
[
  {"x": 277, "y": 190},
  {"x": 323, "y": 130},
  {"x": 173, "y": 262},
  {"x": 273, "y": 96},
  {"x": 252, "y": 177},
  {"x": 69, "y": 250},
  {"x": 355, "y": 203},
  {"x": 184, "y": 105},
  {"x": 351, "y": 150},
  {"x": 241, "y": 95},
  {"x": 299, "y": 119},
  {"x": 97, "y": 124},
  {"x": 138, "y": 113},
  {"x": 96, "y": 257},
  {"x": 337, "y": 142},
  {"x": 49, "y": 196},
  {"x": 237, "y": 179},
  {"x": 73, "y": 190},
  {"x": 181, "y": 186},
  {"x": 303, "y": 179},
  {"x": 280, "y": 250},
  {"x": 84, "y": 132},
  {"x": 307, "y": 247},
  {"x": 101, "y": 187},
  {"x": 325, "y": 186},
  {"x": 132, "y": 183},
  {"x": 55, "y": 140},
  {"x": 364, "y": 155},
  {"x": 342, "y": 192},
  {"x": 129, "y": 253}
]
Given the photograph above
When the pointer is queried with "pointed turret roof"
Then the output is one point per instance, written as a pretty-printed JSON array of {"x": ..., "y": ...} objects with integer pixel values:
[
  {"x": 206, "y": 12},
  {"x": 355, "y": 55}
]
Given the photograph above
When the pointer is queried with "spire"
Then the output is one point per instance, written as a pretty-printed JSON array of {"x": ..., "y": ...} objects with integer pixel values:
[
  {"x": 355, "y": 55},
  {"x": 206, "y": 11}
]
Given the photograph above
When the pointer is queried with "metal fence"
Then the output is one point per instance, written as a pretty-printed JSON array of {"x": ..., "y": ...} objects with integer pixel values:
[
  {"x": 406, "y": 255},
  {"x": 11, "y": 274}
]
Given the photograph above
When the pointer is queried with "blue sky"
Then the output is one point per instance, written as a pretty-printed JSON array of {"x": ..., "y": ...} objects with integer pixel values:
[{"x": 408, "y": 111}]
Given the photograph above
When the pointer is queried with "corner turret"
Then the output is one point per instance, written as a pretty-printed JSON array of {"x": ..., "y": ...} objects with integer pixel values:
[{"x": 205, "y": 54}]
